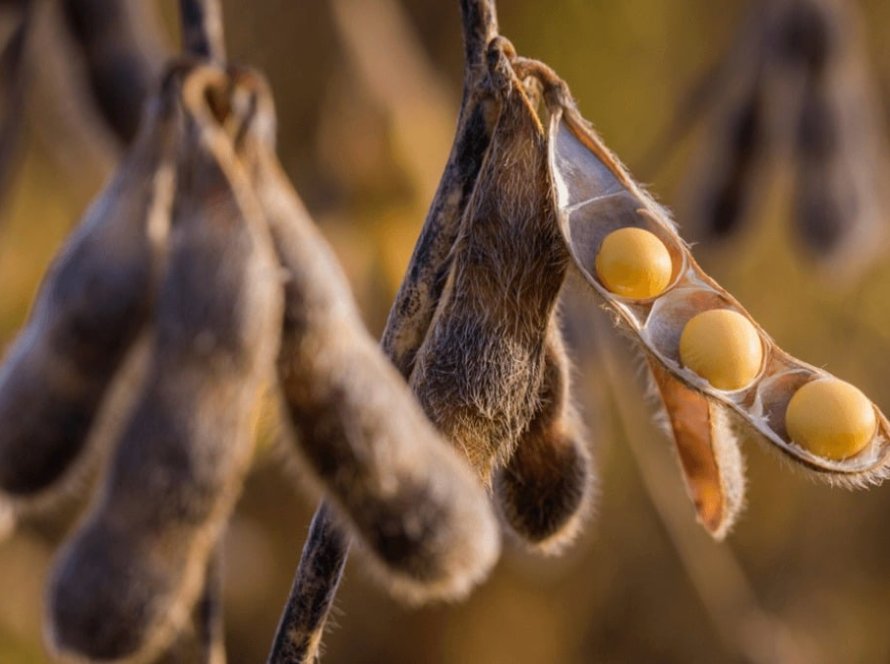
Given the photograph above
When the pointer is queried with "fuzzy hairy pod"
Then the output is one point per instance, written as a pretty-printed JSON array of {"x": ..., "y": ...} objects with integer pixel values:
[
  {"x": 92, "y": 304},
  {"x": 544, "y": 491},
  {"x": 479, "y": 371},
  {"x": 596, "y": 196},
  {"x": 420, "y": 292},
  {"x": 129, "y": 576},
  {"x": 410, "y": 499}
]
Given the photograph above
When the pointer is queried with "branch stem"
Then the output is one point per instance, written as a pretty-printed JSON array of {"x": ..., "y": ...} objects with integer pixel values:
[
  {"x": 480, "y": 25},
  {"x": 202, "y": 29},
  {"x": 318, "y": 576}
]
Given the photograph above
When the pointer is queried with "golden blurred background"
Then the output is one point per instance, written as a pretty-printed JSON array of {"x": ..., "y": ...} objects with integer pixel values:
[{"x": 367, "y": 94}]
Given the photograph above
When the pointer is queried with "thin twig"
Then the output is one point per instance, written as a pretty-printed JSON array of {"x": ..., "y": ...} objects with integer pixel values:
[
  {"x": 315, "y": 585},
  {"x": 480, "y": 26},
  {"x": 202, "y": 29},
  {"x": 211, "y": 625}
]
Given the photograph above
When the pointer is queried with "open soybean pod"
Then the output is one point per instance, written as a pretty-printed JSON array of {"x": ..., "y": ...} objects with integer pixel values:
[
  {"x": 406, "y": 494},
  {"x": 92, "y": 304},
  {"x": 129, "y": 576},
  {"x": 479, "y": 372},
  {"x": 545, "y": 489},
  {"x": 841, "y": 145},
  {"x": 691, "y": 327}
]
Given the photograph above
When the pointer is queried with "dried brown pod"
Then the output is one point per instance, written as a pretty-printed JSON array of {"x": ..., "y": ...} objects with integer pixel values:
[
  {"x": 130, "y": 575},
  {"x": 596, "y": 196},
  {"x": 91, "y": 306},
  {"x": 545, "y": 489},
  {"x": 478, "y": 373},
  {"x": 410, "y": 499},
  {"x": 708, "y": 451},
  {"x": 420, "y": 292}
]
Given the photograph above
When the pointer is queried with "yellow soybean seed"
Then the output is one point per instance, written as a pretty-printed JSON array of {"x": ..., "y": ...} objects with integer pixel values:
[
  {"x": 830, "y": 418},
  {"x": 634, "y": 263},
  {"x": 723, "y": 347}
]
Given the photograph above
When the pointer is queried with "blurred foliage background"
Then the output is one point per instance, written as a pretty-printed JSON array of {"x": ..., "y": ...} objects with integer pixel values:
[{"x": 367, "y": 94}]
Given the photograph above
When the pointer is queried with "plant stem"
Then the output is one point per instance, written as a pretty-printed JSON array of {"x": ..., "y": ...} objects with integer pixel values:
[
  {"x": 202, "y": 29},
  {"x": 480, "y": 26},
  {"x": 210, "y": 612},
  {"x": 318, "y": 576}
]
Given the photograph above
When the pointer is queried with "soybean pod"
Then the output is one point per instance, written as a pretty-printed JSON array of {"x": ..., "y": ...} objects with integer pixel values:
[
  {"x": 545, "y": 489},
  {"x": 91, "y": 306},
  {"x": 409, "y": 498},
  {"x": 478, "y": 373},
  {"x": 130, "y": 575}
]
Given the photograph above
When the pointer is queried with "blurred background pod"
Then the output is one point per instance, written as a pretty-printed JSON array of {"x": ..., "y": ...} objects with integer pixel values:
[
  {"x": 479, "y": 371},
  {"x": 795, "y": 91},
  {"x": 841, "y": 147},
  {"x": 202, "y": 638},
  {"x": 408, "y": 496},
  {"x": 128, "y": 578},
  {"x": 733, "y": 163},
  {"x": 545, "y": 491},
  {"x": 92, "y": 305},
  {"x": 76, "y": 75}
]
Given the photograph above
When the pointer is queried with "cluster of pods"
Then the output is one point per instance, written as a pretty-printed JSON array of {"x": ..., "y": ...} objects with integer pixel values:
[
  {"x": 707, "y": 355},
  {"x": 197, "y": 284},
  {"x": 529, "y": 196}
]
